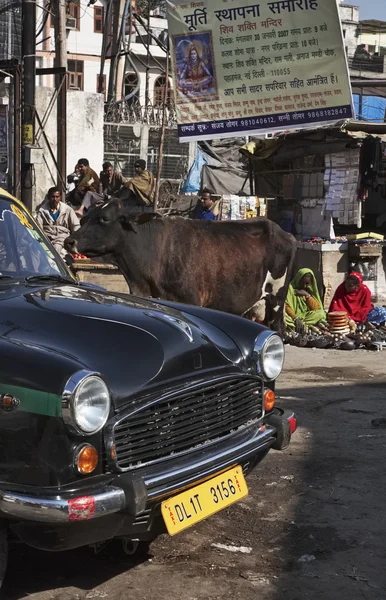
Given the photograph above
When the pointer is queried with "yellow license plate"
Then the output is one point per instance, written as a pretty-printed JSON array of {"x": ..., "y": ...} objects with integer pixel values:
[{"x": 197, "y": 503}]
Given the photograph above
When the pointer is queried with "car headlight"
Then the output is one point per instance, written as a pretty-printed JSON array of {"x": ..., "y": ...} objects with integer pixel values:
[
  {"x": 86, "y": 403},
  {"x": 269, "y": 355}
]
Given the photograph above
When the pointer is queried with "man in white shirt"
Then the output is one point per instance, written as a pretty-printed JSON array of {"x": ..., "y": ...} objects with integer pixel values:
[{"x": 57, "y": 219}]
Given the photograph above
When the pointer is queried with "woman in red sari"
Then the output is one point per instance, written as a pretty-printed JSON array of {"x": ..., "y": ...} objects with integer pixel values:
[{"x": 354, "y": 298}]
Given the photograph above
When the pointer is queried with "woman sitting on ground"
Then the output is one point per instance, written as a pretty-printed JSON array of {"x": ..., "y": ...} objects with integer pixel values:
[
  {"x": 303, "y": 304},
  {"x": 354, "y": 298}
]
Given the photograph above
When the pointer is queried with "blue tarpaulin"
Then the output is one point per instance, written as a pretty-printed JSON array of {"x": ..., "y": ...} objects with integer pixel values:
[
  {"x": 370, "y": 108},
  {"x": 193, "y": 182}
]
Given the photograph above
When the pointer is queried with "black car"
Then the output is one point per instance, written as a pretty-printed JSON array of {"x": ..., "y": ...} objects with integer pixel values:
[{"x": 121, "y": 417}]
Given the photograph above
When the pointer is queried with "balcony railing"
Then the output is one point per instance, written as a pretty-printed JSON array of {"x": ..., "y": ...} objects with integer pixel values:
[{"x": 373, "y": 64}]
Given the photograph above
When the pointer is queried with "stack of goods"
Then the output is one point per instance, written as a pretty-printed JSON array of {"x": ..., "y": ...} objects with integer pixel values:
[
  {"x": 338, "y": 324},
  {"x": 319, "y": 240},
  {"x": 242, "y": 207},
  {"x": 253, "y": 205},
  {"x": 366, "y": 238}
]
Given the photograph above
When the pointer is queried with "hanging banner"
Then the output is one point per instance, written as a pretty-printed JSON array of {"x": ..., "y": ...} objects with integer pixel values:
[{"x": 241, "y": 67}]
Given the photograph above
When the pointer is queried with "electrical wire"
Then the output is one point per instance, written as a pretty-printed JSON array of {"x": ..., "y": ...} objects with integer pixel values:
[
  {"x": 151, "y": 55},
  {"x": 45, "y": 19},
  {"x": 43, "y": 40},
  {"x": 148, "y": 31},
  {"x": 126, "y": 98}
]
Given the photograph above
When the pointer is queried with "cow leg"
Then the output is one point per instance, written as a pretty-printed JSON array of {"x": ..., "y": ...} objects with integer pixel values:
[
  {"x": 258, "y": 311},
  {"x": 269, "y": 309},
  {"x": 276, "y": 321},
  {"x": 276, "y": 301}
]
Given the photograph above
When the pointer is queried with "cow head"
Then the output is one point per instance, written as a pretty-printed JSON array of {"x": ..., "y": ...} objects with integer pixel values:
[{"x": 105, "y": 229}]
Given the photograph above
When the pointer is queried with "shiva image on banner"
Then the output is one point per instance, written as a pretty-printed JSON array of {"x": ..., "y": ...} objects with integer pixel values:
[{"x": 195, "y": 68}]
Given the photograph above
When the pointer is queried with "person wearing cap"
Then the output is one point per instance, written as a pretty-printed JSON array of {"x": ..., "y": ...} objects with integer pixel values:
[{"x": 142, "y": 184}]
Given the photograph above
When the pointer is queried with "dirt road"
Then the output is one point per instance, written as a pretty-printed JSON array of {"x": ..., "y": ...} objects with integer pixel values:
[{"x": 313, "y": 525}]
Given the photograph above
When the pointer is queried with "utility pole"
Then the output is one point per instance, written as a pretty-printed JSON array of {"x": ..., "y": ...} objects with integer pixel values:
[
  {"x": 148, "y": 42},
  {"x": 11, "y": 111},
  {"x": 61, "y": 89},
  {"x": 116, "y": 17},
  {"x": 28, "y": 114},
  {"x": 163, "y": 132}
]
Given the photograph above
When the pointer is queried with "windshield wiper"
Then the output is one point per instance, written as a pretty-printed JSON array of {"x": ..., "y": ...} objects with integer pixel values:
[{"x": 53, "y": 277}]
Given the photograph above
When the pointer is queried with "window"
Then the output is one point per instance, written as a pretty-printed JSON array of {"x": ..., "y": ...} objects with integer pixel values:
[
  {"x": 98, "y": 19},
  {"x": 104, "y": 90},
  {"x": 159, "y": 91},
  {"x": 75, "y": 74},
  {"x": 131, "y": 82},
  {"x": 73, "y": 14},
  {"x": 344, "y": 33}
]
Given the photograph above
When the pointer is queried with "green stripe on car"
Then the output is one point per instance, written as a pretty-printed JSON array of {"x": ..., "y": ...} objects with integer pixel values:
[{"x": 34, "y": 401}]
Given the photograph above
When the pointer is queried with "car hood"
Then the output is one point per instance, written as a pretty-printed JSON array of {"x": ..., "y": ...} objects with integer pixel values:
[{"x": 136, "y": 344}]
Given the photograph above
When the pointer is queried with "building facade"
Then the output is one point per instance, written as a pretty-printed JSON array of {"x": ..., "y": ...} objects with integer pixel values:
[
  {"x": 140, "y": 71},
  {"x": 84, "y": 32}
]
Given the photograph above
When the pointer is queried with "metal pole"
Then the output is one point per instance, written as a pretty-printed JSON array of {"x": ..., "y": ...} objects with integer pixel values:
[
  {"x": 61, "y": 87},
  {"x": 106, "y": 27},
  {"x": 16, "y": 132},
  {"x": 114, "y": 48},
  {"x": 11, "y": 113},
  {"x": 29, "y": 76},
  {"x": 251, "y": 176},
  {"x": 147, "y": 82},
  {"x": 163, "y": 132}
]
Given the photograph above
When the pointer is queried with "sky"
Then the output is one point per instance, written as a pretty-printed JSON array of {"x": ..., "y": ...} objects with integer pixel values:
[{"x": 370, "y": 9}]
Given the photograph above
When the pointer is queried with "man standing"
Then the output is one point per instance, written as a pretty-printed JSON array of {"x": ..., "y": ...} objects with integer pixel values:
[
  {"x": 206, "y": 210},
  {"x": 57, "y": 219},
  {"x": 142, "y": 184}
]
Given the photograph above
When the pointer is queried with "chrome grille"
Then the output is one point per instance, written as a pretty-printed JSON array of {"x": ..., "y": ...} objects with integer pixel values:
[{"x": 186, "y": 419}]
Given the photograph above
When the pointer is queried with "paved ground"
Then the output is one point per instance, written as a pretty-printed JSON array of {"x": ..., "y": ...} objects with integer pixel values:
[{"x": 314, "y": 520}]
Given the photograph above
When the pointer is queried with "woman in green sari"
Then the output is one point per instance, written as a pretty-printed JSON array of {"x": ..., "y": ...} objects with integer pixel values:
[{"x": 303, "y": 305}]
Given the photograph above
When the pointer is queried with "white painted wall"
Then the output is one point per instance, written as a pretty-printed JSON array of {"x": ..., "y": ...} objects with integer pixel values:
[
  {"x": 373, "y": 39},
  {"x": 349, "y": 16},
  {"x": 84, "y": 136}
]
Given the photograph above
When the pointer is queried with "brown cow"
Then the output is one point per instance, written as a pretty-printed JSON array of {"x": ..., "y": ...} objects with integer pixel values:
[{"x": 240, "y": 267}]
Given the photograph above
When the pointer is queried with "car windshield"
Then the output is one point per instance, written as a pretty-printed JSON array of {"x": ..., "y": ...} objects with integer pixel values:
[{"x": 24, "y": 252}]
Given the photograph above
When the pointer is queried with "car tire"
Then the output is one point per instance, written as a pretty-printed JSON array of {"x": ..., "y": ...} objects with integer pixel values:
[{"x": 3, "y": 551}]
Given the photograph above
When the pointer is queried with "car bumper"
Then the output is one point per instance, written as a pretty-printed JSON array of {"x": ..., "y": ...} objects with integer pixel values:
[{"x": 133, "y": 491}]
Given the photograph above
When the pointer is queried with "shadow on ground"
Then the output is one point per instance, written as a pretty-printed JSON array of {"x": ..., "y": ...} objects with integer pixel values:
[{"x": 32, "y": 571}]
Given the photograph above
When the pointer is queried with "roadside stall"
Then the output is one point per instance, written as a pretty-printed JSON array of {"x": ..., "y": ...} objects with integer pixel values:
[{"x": 329, "y": 190}]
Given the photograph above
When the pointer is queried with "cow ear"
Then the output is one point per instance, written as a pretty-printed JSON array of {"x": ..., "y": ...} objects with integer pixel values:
[
  {"x": 132, "y": 222},
  {"x": 128, "y": 223}
]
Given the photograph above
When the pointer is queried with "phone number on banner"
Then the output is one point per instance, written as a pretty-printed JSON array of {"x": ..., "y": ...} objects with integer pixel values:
[
  {"x": 313, "y": 114},
  {"x": 283, "y": 120}
]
